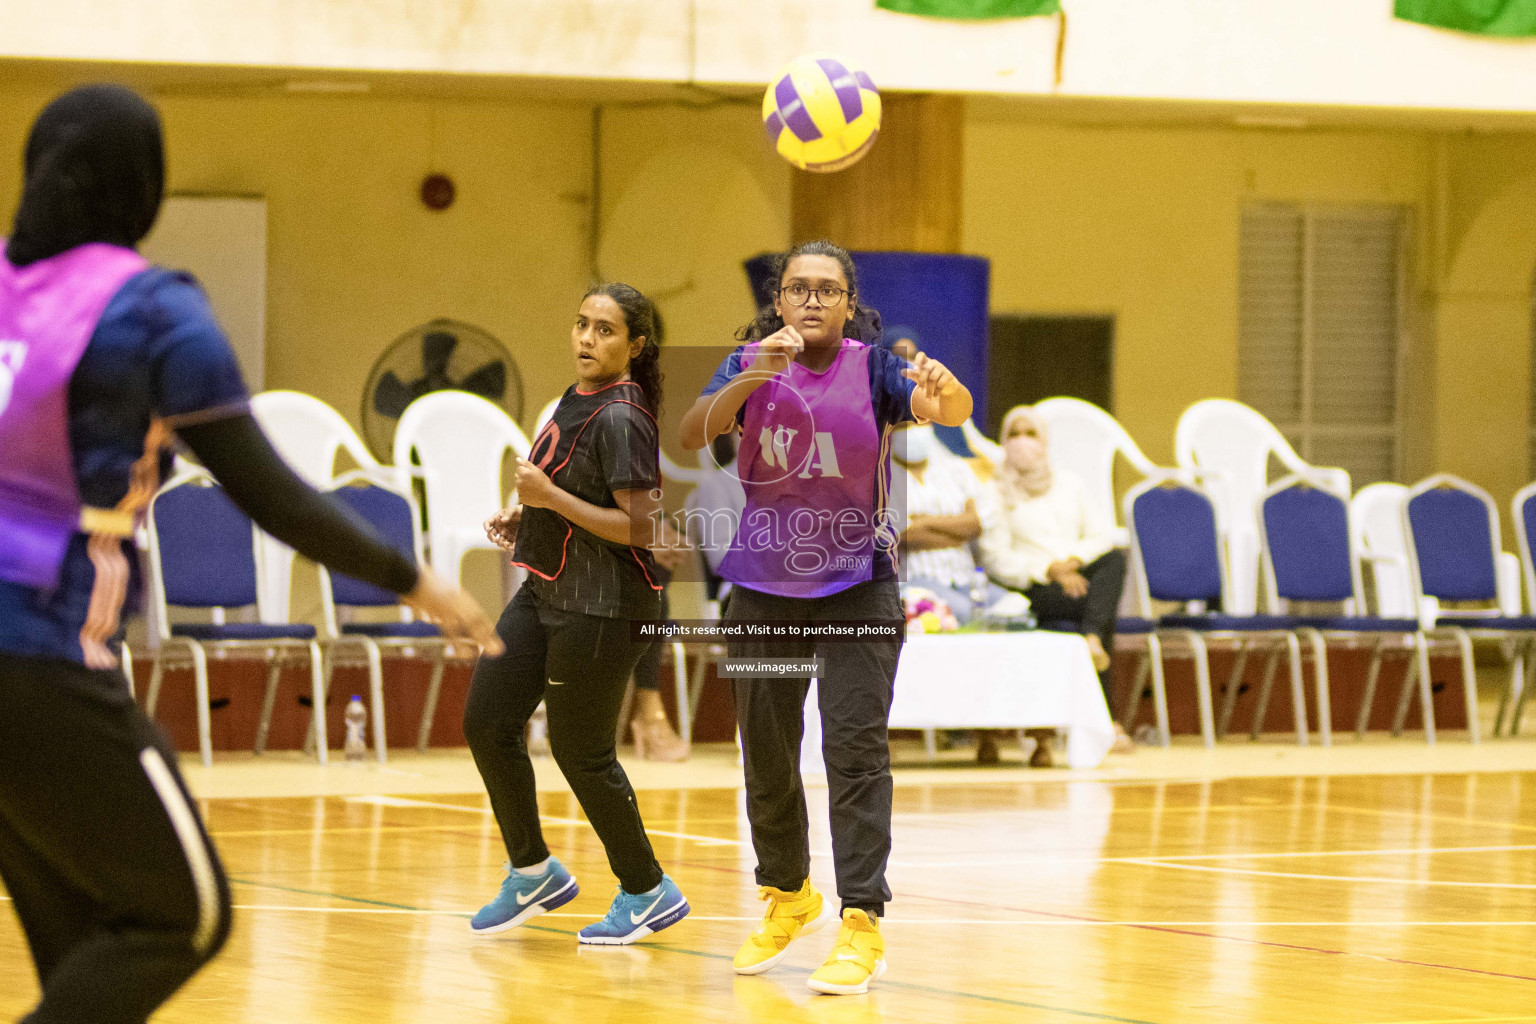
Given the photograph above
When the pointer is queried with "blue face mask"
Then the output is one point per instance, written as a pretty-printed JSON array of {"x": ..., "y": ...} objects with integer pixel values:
[{"x": 912, "y": 445}]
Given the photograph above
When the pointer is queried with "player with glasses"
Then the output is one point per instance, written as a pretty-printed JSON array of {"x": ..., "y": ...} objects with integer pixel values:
[
  {"x": 816, "y": 401},
  {"x": 798, "y": 293}
]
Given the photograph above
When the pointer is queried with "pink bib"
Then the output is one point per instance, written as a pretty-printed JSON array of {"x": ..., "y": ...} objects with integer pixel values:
[{"x": 48, "y": 312}]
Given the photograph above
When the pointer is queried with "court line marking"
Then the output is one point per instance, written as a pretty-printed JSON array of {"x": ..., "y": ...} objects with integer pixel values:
[
  {"x": 1464, "y": 1020},
  {"x": 1249, "y": 940},
  {"x": 396, "y": 801},
  {"x": 1151, "y": 863},
  {"x": 924, "y": 864},
  {"x": 1205, "y": 808},
  {"x": 664, "y": 947},
  {"x": 400, "y": 801},
  {"x": 245, "y": 833},
  {"x": 967, "y": 922},
  {"x": 1069, "y": 859},
  {"x": 957, "y": 922},
  {"x": 1387, "y": 812}
]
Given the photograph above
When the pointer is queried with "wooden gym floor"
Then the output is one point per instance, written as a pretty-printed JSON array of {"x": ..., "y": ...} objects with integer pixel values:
[{"x": 1363, "y": 885}]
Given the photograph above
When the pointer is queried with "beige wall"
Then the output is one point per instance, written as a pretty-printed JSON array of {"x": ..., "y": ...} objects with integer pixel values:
[
  {"x": 354, "y": 258},
  {"x": 687, "y": 195},
  {"x": 1142, "y": 223},
  {"x": 1482, "y": 303},
  {"x": 643, "y": 39},
  {"x": 1326, "y": 52}
]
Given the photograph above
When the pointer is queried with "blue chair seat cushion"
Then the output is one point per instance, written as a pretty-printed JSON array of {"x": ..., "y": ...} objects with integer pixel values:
[
  {"x": 1514, "y": 623},
  {"x": 392, "y": 630},
  {"x": 1061, "y": 626},
  {"x": 243, "y": 631},
  {"x": 1131, "y": 626},
  {"x": 1360, "y": 624},
  {"x": 1218, "y": 623}
]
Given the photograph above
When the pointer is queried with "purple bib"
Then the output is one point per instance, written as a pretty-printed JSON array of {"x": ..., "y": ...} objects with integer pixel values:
[
  {"x": 815, "y": 467},
  {"x": 48, "y": 312}
]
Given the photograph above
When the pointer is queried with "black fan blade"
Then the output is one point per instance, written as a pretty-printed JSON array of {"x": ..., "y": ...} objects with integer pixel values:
[
  {"x": 392, "y": 395},
  {"x": 489, "y": 381},
  {"x": 436, "y": 350}
]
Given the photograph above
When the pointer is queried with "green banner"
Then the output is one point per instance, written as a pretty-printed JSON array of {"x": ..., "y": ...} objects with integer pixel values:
[
  {"x": 1484, "y": 17},
  {"x": 972, "y": 10}
]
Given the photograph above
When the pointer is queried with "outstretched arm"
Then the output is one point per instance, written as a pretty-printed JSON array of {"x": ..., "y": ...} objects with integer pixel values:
[{"x": 939, "y": 396}]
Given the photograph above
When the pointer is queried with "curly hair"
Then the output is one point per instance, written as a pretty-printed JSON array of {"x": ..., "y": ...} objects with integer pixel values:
[
  {"x": 643, "y": 320},
  {"x": 863, "y": 322}
]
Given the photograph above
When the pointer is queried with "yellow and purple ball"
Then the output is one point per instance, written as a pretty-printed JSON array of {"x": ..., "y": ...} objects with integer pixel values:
[{"x": 821, "y": 113}]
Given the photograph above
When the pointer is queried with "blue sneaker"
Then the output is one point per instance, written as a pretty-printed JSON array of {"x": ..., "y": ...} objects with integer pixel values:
[
  {"x": 523, "y": 897},
  {"x": 632, "y": 918}
]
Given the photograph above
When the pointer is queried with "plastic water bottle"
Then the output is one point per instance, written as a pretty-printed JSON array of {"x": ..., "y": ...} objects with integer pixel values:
[
  {"x": 979, "y": 590},
  {"x": 357, "y": 729}
]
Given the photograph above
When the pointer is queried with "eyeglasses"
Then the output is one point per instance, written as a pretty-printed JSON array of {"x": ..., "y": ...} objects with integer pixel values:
[{"x": 798, "y": 294}]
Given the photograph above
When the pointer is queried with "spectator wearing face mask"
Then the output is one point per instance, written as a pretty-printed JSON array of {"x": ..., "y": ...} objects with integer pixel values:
[
  {"x": 946, "y": 510},
  {"x": 1050, "y": 545}
]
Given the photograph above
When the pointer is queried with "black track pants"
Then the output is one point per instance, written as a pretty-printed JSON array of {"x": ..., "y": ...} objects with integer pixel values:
[
  {"x": 579, "y": 666},
  {"x": 855, "y": 705},
  {"x": 118, "y": 888},
  {"x": 1094, "y": 612}
]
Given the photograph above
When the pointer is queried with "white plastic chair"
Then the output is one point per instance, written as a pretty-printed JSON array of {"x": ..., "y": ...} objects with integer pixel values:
[
  {"x": 1228, "y": 446},
  {"x": 1376, "y": 518},
  {"x": 1085, "y": 440},
  {"x": 308, "y": 433},
  {"x": 545, "y": 415},
  {"x": 459, "y": 441}
]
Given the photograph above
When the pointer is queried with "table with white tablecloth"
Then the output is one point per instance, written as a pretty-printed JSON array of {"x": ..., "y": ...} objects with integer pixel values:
[{"x": 1018, "y": 680}]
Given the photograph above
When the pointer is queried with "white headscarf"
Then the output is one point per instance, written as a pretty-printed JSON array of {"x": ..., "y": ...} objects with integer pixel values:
[{"x": 1026, "y": 468}]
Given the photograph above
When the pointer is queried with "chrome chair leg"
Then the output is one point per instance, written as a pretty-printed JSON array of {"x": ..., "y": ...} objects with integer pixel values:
[
  {"x": 429, "y": 708},
  {"x": 376, "y": 694},
  {"x": 680, "y": 686},
  {"x": 200, "y": 687},
  {"x": 1372, "y": 677},
  {"x": 1321, "y": 692},
  {"x": 125, "y": 658},
  {"x": 1298, "y": 689},
  {"x": 1261, "y": 706},
  {"x": 1426, "y": 689},
  {"x": 156, "y": 677},
  {"x": 318, "y": 683},
  {"x": 1159, "y": 688},
  {"x": 268, "y": 701}
]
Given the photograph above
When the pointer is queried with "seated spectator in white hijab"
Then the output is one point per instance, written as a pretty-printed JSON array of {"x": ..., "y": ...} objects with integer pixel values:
[
  {"x": 946, "y": 508},
  {"x": 1047, "y": 543}
]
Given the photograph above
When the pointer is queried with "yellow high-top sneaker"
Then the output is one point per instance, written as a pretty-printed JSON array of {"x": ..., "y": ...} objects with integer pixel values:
[
  {"x": 790, "y": 915},
  {"x": 856, "y": 960}
]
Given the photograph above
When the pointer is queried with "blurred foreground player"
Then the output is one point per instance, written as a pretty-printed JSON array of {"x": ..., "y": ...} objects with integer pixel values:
[{"x": 117, "y": 885}]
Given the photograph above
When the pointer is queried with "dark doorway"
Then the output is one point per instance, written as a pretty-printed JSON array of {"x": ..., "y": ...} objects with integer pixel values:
[{"x": 1035, "y": 357}]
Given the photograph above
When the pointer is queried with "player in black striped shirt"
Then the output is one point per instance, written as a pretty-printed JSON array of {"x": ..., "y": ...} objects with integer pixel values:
[{"x": 581, "y": 530}]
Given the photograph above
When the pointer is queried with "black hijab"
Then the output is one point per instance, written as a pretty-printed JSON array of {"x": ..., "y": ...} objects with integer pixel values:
[{"x": 94, "y": 172}]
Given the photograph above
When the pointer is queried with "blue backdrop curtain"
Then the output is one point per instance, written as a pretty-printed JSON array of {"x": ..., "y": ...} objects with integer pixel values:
[{"x": 940, "y": 301}]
